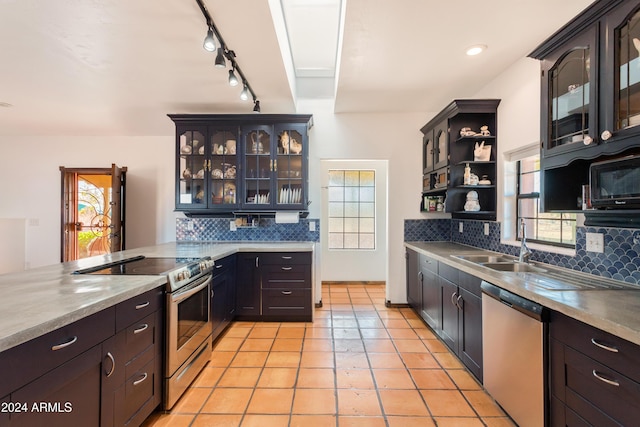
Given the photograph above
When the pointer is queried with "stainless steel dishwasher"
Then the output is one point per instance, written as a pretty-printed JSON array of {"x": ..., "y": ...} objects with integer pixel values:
[{"x": 513, "y": 350}]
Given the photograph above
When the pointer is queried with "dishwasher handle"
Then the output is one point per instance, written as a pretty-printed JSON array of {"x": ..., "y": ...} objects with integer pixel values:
[{"x": 523, "y": 305}]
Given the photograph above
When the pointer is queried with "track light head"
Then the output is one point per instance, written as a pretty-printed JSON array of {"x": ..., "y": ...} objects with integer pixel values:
[
  {"x": 244, "y": 95},
  {"x": 209, "y": 43},
  {"x": 220, "y": 62},
  {"x": 256, "y": 106},
  {"x": 233, "y": 80}
]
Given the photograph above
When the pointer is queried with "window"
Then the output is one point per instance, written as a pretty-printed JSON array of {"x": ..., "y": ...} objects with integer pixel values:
[
  {"x": 557, "y": 229},
  {"x": 351, "y": 209}
]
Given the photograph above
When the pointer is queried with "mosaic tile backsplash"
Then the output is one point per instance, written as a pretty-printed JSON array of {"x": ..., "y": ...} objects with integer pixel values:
[
  {"x": 217, "y": 229},
  {"x": 620, "y": 260}
]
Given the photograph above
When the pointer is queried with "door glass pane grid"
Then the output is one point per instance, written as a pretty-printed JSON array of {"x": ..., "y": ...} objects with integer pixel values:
[
  {"x": 543, "y": 227},
  {"x": 192, "y": 168},
  {"x": 628, "y": 61},
  {"x": 351, "y": 219},
  {"x": 224, "y": 167}
]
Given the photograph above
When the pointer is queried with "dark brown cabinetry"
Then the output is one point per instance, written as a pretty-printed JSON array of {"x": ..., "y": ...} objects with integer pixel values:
[
  {"x": 274, "y": 286},
  {"x": 448, "y": 149},
  {"x": 223, "y": 298},
  {"x": 132, "y": 361},
  {"x": 105, "y": 369},
  {"x": 451, "y": 304},
  {"x": 590, "y": 100},
  {"x": 227, "y": 163},
  {"x": 595, "y": 376}
]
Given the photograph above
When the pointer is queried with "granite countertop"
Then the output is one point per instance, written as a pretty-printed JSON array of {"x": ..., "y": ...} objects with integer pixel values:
[
  {"x": 613, "y": 311},
  {"x": 37, "y": 301}
]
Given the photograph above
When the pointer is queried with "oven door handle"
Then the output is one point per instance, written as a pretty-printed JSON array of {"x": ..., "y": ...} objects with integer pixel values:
[{"x": 181, "y": 296}]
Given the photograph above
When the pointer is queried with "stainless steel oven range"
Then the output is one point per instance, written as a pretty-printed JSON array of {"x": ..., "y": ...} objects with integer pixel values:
[{"x": 188, "y": 324}]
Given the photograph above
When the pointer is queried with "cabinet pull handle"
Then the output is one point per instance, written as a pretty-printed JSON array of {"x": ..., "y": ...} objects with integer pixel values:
[
  {"x": 604, "y": 347},
  {"x": 605, "y": 380},
  {"x": 286, "y": 292},
  {"x": 141, "y": 328},
  {"x": 453, "y": 296},
  {"x": 287, "y": 257},
  {"x": 63, "y": 345},
  {"x": 257, "y": 262},
  {"x": 143, "y": 305},
  {"x": 113, "y": 364},
  {"x": 219, "y": 266},
  {"x": 275, "y": 165},
  {"x": 212, "y": 294},
  {"x": 420, "y": 276},
  {"x": 458, "y": 302},
  {"x": 144, "y": 377},
  {"x": 287, "y": 268}
]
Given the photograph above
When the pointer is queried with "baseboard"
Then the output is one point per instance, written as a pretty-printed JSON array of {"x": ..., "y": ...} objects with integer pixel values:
[
  {"x": 390, "y": 304},
  {"x": 353, "y": 282}
]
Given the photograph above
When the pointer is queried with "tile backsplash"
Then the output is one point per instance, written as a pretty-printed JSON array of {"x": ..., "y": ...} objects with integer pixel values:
[
  {"x": 619, "y": 261},
  {"x": 217, "y": 229}
]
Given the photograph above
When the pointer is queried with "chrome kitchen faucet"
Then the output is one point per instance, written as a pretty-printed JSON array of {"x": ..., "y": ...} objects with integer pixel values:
[{"x": 525, "y": 252}]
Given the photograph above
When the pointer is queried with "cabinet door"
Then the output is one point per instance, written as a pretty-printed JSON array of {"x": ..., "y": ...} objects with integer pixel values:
[
  {"x": 219, "y": 301},
  {"x": 192, "y": 168},
  {"x": 224, "y": 168},
  {"x": 470, "y": 333},
  {"x": 449, "y": 331},
  {"x": 441, "y": 145},
  {"x": 290, "y": 166},
  {"x": 414, "y": 281},
  {"x": 248, "y": 285},
  {"x": 428, "y": 151},
  {"x": 66, "y": 396},
  {"x": 569, "y": 95},
  {"x": 431, "y": 299},
  {"x": 257, "y": 145}
]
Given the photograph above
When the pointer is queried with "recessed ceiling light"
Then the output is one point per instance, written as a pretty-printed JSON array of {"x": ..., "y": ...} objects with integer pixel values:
[
  {"x": 5, "y": 104},
  {"x": 476, "y": 49}
]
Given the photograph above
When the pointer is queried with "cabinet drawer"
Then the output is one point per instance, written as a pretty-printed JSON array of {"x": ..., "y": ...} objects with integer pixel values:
[
  {"x": 223, "y": 265},
  {"x": 428, "y": 263},
  {"x": 26, "y": 362},
  {"x": 286, "y": 301},
  {"x": 470, "y": 283},
  {"x": 286, "y": 276},
  {"x": 140, "y": 336},
  {"x": 614, "y": 352},
  {"x": 139, "y": 388},
  {"x": 285, "y": 258},
  {"x": 138, "y": 307},
  {"x": 448, "y": 272},
  {"x": 611, "y": 392}
]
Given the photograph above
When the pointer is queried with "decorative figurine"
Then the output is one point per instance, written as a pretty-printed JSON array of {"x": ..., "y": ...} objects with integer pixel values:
[
  {"x": 472, "y": 204},
  {"x": 481, "y": 152},
  {"x": 186, "y": 174},
  {"x": 484, "y": 131},
  {"x": 466, "y": 131},
  {"x": 284, "y": 140}
]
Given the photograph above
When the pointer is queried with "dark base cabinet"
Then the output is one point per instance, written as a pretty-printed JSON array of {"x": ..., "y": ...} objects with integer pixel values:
[
  {"x": 414, "y": 280},
  {"x": 248, "y": 286},
  {"x": 595, "y": 376},
  {"x": 451, "y": 304},
  {"x": 223, "y": 298}
]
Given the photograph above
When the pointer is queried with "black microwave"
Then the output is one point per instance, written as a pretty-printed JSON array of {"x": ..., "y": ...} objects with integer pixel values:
[{"x": 615, "y": 184}]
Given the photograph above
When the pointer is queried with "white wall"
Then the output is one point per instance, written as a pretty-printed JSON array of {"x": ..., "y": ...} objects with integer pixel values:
[{"x": 30, "y": 186}]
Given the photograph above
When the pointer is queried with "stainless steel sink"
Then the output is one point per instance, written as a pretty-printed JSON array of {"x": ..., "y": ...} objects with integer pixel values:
[
  {"x": 516, "y": 267},
  {"x": 481, "y": 259}
]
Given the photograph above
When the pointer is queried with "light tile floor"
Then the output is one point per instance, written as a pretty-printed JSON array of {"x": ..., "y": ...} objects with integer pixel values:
[{"x": 358, "y": 364}]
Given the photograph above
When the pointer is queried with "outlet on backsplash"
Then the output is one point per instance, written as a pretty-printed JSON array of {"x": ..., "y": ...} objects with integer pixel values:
[{"x": 595, "y": 242}]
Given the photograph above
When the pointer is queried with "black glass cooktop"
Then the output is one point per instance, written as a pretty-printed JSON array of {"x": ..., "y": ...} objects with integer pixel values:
[{"x": 138, "y": 266}]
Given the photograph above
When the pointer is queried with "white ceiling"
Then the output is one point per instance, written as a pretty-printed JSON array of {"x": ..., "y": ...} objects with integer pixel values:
[{"x": 117, "y": 67}]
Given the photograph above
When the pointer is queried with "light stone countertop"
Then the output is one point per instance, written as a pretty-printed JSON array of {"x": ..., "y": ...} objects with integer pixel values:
[
  {"x": 37, "y": 301},
  {"x": 613, "y": 311}
]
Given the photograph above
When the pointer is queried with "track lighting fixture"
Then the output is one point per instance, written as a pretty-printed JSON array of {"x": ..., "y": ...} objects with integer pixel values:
[
  {"x": 209, "y": 43},
  {"x": 220, "y": 62},
  {"x": 224, "y": 52},
  {"x": 244, "y": 95},
  {"x": 233, "y": 80}
]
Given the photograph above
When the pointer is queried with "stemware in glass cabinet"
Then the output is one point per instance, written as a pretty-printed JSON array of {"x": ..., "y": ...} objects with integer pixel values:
[
  {"x": 192, "y": 167},
  {"x": 628, "y": 61},
  {"x": 569, "y": 103},
  {"x": 258, "y": 166},
  {"x": 289, "y": 167},
  {"x": 224, "y": 167}
]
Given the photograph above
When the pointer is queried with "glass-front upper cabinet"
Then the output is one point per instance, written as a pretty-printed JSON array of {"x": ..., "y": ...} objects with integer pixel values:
[
  {"x": 441, "y": 140},
  {"x": 571, "y": 96},
  {"x": 258, "y": 165},
  {"x": 628, "y": 67},
  {"x": 192, "y": 168},
  {"x": 427, "y": 153},
  {"x": 224, "y": 167},
  {"x": 289, "y": 165}
]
